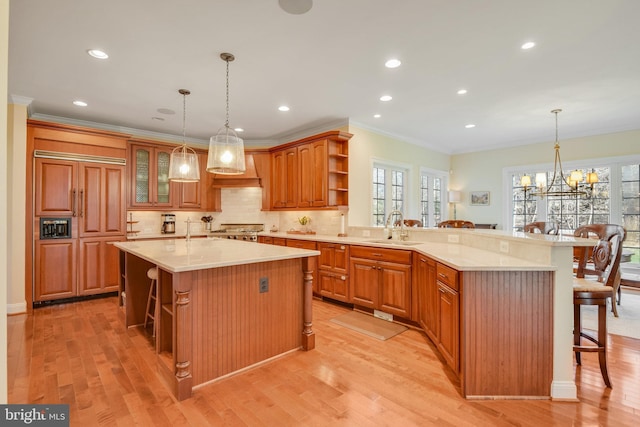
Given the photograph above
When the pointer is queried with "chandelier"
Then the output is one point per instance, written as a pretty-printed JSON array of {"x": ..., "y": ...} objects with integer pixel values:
[
  {"x": 226, "y": 149},
  {"x": 183, "y": 162},
  {"x": 576, "y": 182}
]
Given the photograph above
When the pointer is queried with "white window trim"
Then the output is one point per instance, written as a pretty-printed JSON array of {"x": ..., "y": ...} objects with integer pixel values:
[
  {"x": 614, "y": 163},
  {"x": 408, "y": 185},
  {"x": 444, "y": 178}
]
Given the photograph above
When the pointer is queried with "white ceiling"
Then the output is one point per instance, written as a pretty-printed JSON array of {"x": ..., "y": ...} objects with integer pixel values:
[{"x": 328, "y": 66}]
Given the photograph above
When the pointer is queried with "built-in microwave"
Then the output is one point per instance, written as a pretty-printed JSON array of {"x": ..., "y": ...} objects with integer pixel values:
[{"x": 55, "y": 228}]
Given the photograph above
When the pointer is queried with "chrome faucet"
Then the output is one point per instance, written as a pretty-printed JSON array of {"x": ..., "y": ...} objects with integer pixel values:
[
  {"x": 188, "y": 236},
  {"x": 404, "y": 234}
]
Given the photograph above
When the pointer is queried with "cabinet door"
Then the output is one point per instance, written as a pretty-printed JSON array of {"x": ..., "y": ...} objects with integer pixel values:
[
  {"x": 395, "y": 289},
  {"x": 449, "y": 317},
  {"x": 319, "y": 174},
  {"x": 427, "y": 292},
  {"x": 284, "y": 178},
  {"x": 190, "y": 193},
  {"x": 150, "y": 186},
  {"x": 341, "y": 259},
  {"x": 101, "y": 199},
  {"x": 97, "y": 272},
  {"x": 56, "y": 191},
  {"x": 326, "y": 260},
  {"x": 333, "y": 286},
  {"x": 305, "y": 176},
  {"x": 364, "y": 282},
  {"x": 55, "y": 272}
]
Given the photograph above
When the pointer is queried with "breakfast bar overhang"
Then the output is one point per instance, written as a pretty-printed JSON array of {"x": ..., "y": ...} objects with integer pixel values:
[{"x": 221, "y": 305}]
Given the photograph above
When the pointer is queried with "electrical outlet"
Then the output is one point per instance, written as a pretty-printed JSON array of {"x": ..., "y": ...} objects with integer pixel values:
[
  {"x": 366, "y": 233},
  {"x": 504, "y": 246},
  {"x": 264, "y": 284},
  {"x": 453, "y": 238}
]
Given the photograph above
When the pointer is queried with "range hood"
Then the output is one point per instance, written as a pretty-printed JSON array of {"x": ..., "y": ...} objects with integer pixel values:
[{"x": 250, "y": 178}]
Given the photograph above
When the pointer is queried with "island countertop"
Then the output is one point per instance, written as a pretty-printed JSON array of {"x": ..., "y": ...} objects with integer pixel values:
[{"x": 179, "y": 255}]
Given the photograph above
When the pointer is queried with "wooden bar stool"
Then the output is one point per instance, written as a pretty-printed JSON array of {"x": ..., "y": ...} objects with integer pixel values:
[
  {"x": 592, "y": 295},
  {"x": 595, "y": 291},
  {"x": 152, "y": 274}
]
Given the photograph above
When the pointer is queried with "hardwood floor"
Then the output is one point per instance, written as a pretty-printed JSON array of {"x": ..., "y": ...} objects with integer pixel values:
[{"x": 82, "y": 355}]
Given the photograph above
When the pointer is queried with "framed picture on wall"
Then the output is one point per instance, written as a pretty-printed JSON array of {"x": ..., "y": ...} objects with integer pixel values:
[{"x": 480, "y": 198}]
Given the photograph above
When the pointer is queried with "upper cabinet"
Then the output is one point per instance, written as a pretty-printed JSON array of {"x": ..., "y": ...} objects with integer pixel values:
[
  {"x": 312, "y": 173},
  {"x": 150, "y": 188},
  {"x": 149, "y": 177}
]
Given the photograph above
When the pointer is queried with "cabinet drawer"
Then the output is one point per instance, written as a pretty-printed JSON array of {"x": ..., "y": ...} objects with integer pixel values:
[
  {"x": 301, "y": 244},
  {"x": 447, "y": 275},
  {"x": 381, "y": 254}
]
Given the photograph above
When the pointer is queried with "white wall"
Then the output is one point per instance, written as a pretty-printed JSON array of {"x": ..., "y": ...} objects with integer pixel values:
[
  {"x": 483, "y": 170},
  {"x": 4, "y": 199},
  {"x": 365, "y": 146}
]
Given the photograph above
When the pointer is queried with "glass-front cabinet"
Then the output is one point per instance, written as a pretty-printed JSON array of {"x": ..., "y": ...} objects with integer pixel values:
[{"x": 150, "y": 186}]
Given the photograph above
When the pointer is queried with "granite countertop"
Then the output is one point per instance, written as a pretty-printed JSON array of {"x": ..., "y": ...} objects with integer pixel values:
[{"x": 179, "y": 255}]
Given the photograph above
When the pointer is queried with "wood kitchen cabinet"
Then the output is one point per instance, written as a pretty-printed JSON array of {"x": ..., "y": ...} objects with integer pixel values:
[
  {"x": 149, "y": 185},
  {"x": 311, "y": 173},
  {"x": 284, "y": 190},
  {"x": 77, "y": 173},
  {"x": 448, "y": 313},
  {"x": 333, "y": 271},
  {"x": 97, "y": 261},
  {"x": 424, "y": 270},
  {"x": 380, "y": 279}
]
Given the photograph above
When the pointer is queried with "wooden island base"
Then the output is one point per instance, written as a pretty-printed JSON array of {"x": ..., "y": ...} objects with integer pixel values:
[{"x": 217, "y": 321}]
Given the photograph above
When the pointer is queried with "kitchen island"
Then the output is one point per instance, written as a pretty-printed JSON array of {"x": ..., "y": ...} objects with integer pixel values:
[{"x": 221, "y": 305}]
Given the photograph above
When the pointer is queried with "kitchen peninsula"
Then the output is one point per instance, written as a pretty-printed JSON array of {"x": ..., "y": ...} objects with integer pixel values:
[
  {"x": 497, "y": 305},
  {"x": 223, "y": 305}
]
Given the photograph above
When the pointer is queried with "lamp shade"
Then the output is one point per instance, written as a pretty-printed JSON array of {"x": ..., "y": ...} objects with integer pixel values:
[
  {"x": 184, "y": 165},
  {"x": 226, "y": 153},
  {"x": 455, "y": 196},
  {"x": 525, "y": 181}
]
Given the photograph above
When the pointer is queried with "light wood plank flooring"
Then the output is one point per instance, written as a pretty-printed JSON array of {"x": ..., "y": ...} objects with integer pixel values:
[{"x": 82, "y": 355}]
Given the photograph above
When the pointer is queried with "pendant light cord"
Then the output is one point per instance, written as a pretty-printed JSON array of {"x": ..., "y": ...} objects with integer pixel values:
[{"x": 226, "y": 123}]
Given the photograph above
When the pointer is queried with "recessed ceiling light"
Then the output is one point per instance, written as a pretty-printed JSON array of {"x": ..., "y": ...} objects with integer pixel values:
[
  {"x": 462, "y": 92},
  {"x": 470, "y": 125},
  {"x": 392, "y": 63},
  {"x": 160, "y": 119},
  {"x": 79, "y": 103},
  {"x": 239, "y": 130},
  {"x": 528, "y": 45},
  {"x": 283, "y": 108},
  {"x": 99, "y": 54},
  {"x": 386, "y": 98},
  {"x": 377, "y": 116}
]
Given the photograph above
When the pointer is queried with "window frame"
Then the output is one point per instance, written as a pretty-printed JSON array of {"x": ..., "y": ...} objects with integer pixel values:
[{"x": 388, "y": 166}]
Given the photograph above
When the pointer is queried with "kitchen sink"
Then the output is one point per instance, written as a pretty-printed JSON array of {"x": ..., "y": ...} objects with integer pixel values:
[{"x": 394, "y": 242}]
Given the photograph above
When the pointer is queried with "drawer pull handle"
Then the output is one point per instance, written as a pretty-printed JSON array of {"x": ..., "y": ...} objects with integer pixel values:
[
  {"x": 376, "y": 254},
  {"x": 442, "y": 275}
]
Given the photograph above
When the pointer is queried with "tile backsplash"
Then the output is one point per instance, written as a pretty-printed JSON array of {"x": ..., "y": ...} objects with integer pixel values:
[{"x": 239, "y": 205}]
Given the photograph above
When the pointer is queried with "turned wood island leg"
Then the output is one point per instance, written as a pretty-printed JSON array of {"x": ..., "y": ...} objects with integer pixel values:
[
  {"x": 308, "y": 336},
  {"x": 183, "y": 345}
]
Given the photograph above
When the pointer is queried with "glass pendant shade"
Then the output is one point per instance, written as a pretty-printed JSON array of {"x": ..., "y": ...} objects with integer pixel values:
[
  {"x": 184, "y": 165},
  {"x": 183, "y": 162},
  {"x": 226, "y": 153}
]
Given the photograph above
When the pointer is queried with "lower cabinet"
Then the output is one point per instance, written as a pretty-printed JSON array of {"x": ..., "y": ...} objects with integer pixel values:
[
  {"x": 380, "y": 279},
  {"x": 439, "y": 306},
  {"x": 333, "y": 271},
  {"x": 68, "y": 268}
]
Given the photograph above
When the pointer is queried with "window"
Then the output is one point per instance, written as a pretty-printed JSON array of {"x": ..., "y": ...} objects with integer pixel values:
[
  {"x": 630, "y": 182},
  {"x": 389, "y": 189},
  {"x": 570, "y": 211},
  {"x": 431, "y": 196}
]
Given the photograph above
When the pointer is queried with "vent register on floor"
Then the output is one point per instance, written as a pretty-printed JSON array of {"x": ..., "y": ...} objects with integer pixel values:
[{"x": 369, "y": 325}]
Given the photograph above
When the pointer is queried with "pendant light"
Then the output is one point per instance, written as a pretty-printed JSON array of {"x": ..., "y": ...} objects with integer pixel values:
[
  {"x": 575, "y": 181},
  {"x": 226, "y": 150},
  {"x": 183, "y": 163}
]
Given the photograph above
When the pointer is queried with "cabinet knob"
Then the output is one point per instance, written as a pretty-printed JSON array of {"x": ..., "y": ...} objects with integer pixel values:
[
  {"x": 342, "y": 247},
  {"x": 343, "y": 277}
]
